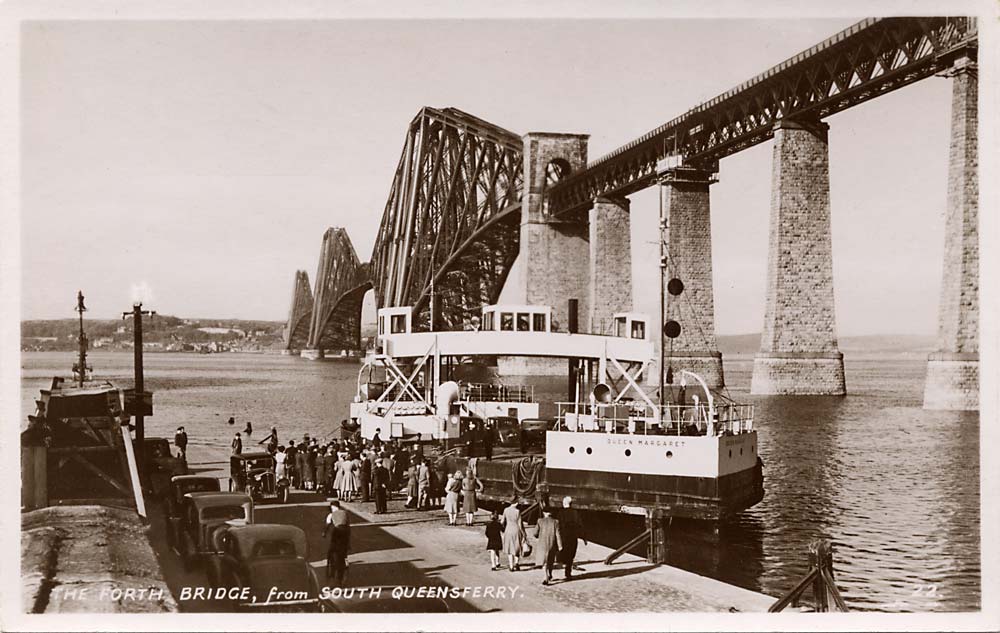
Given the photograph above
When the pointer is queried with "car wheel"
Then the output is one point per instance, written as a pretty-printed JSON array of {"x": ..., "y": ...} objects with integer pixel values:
[{"x": 284, "y": 494}]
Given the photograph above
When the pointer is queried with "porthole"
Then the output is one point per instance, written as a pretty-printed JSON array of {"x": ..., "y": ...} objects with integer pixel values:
[
  {"x": 628, "y": 452},
  {"x": 670, "y": 454},
  {"x": 589, "y": 450},
  {"x": 572, "y": 449}
]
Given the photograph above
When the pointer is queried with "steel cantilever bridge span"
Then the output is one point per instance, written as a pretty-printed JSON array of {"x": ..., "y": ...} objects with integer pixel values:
[{"x": 454, "y": 208}]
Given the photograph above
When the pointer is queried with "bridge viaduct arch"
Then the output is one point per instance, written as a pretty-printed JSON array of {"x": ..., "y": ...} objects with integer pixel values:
[{"x": 469, "y": 198}]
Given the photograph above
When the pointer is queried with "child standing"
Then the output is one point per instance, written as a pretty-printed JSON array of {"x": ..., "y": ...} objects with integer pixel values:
[{"x": 494, "y": 540}]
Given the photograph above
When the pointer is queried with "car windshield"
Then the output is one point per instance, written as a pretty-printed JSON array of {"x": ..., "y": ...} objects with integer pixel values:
[{"x": 223, "y": 512}]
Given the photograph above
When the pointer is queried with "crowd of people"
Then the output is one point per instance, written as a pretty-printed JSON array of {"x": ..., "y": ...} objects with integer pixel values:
[{"x": 371, "y": 471}]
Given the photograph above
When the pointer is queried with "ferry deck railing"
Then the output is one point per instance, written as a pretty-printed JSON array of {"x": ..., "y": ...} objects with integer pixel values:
[
  {"x": 405, "y": 403},
  {"x": 638, "y": 418},
  {"x": 486, "y": 392}
]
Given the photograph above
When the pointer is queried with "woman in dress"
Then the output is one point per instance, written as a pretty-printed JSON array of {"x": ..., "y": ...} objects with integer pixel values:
[
  {"x": 411, "y": 487},
  {"x": 470, "y": 486},
  {"x": 356, "y": 472},
  {"x": 338, "y": 473},
  {"x": 347, "y": 486},
  {"x": 514, "y": 536},
  {"x": 279, "y": 464},
  {"x": 452, "y": 488}
]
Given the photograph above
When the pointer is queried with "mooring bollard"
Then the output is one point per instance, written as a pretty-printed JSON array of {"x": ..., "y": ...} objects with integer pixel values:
[{"x": 820, "y": 577}]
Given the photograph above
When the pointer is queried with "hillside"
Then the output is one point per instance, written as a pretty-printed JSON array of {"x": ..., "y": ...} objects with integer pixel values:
[{"x": 160, "y": 332}]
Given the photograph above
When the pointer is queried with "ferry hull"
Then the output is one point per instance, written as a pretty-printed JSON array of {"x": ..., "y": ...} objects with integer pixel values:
[{"x": 698, "y": 498}]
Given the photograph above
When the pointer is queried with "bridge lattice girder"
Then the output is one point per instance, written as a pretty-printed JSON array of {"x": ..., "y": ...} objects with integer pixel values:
[
  {"x": 296, "y": 335},
  {"x": 452, "y": 217},
  {"x": 866, "y": 60},
  {"x": 341, "y": 283}
]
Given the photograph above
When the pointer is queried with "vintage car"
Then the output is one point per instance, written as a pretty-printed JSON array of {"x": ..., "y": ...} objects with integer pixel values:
[
  {"x": 253, "y": 473},
  {"x": 533, "y": 431},
  {"x": 267, "y": 562},
  {"x": 203, "y": 515},
  {"x": 161, "y": 464},
  {"x": 173, "y": 499},
  {"x": 506, "y": 428}
]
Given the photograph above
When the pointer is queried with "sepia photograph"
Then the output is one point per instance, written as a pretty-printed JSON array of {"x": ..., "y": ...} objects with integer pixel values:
[{"x": 544, "y": 316}]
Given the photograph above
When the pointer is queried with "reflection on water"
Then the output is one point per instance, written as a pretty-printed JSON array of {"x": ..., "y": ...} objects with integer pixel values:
[{"x": 894, "y": 487}]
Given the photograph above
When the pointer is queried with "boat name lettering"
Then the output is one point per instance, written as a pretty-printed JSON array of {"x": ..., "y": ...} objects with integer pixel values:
[{"x": 626, "y": 441}]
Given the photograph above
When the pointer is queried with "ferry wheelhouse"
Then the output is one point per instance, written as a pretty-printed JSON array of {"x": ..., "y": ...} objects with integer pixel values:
[{"x": 608, "y": 444}]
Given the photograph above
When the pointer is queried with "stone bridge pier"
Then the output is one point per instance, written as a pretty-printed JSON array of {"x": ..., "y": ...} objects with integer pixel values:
[
  {"x": 798, "y": 350},
  {"x": 684, "y": 193},
  {"x": 554, "y": 255},
  {"x": 953, "y": 370}
]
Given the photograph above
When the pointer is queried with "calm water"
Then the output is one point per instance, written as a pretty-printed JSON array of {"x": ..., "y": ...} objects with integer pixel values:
[{"x": 894, "y": 487}]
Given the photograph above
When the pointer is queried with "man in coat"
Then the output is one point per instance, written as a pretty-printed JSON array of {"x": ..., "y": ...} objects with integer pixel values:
[
  {"x": 366, "y": 479},
  {"x": 570, "y": 530},
  {"x": 301, "y": 464},
  {"x": 380, "y": 486},
  {"x": 293, "y": 470},
  {"x": 549, "y": 543}
]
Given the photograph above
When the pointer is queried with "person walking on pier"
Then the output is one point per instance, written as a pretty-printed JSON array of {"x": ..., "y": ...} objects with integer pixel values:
[
  {"x": 338, "y": 523},
  {"x": 181, "y": 442},
  {"x": 237, "y": 444},
  {"x": 514, "y": 536},
  {"x": 452, "y": 489},
  {"x": 380, "y": 487},
  {"x": 494, "y": 540},
  {"x": 470, "y": 486},
  {"x": 549, "y": 543},
  {"x": 377, "y": 441},
  {"x": 570, "y": 530}
]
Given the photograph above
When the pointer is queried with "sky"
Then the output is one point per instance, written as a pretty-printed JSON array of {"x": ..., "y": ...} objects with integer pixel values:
[{"x": 202, "y": 161}]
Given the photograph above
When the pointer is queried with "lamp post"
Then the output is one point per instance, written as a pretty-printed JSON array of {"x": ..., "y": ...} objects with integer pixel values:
[{"x": 140, "y": 423}]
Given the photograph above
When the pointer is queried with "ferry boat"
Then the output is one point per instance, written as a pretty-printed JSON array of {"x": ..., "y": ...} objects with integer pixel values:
[{"x": 610, "y": 446}]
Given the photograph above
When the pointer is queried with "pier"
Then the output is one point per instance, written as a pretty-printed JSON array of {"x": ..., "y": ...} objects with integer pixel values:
[{"x": 416, "y": 548}]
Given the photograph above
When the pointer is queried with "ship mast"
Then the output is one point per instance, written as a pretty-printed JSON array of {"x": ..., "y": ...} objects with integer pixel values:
[{"x": 80, "y": 368}]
